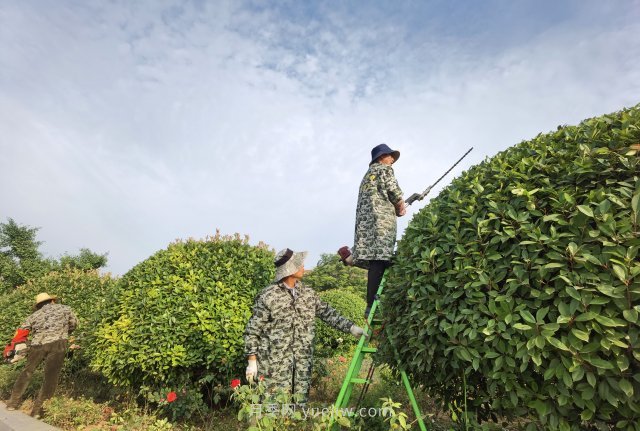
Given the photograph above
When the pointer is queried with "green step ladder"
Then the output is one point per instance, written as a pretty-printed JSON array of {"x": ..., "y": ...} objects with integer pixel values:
[{"x": 363, "y": 349}]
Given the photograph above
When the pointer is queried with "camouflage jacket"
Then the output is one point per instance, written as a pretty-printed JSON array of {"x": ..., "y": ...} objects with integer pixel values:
[
  {"x": 281, "y": 333},
  {"x": 51, "y": 323},
  {"x": 376, "y": 227}
]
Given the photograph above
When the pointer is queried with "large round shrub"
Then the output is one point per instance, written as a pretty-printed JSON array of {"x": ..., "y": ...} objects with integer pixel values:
[
  {"x": 86, "y": 292},
  {"x": 523, "y": 278},
  {"x": 180, "y": 315},
  {"x": 330, "y": 341}
]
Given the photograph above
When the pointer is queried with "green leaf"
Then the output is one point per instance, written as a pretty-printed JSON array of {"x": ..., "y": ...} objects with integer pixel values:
[
  {"x": 584, "y": 209},
  {"x": 557, "y": 344},
  {"x": 541, "y": 313},
  {"x": 600, "y": 363},
  {"x": 626, "y": 387},
  {"x": 635, "y": 204},
  {"x": 620, "y": 272},
  {"x": 526, "y": 315},
  {"x": 584, "y": 336},
  {"x": 522, "y": 326},
  {"x": 589, "y": 315},
  {"x": 606, "y": 321},
  {"x": 343, "y": 421},
  {"x": 631, "y": 315},
  {"x": 609, "y": 291},
  {"x": 540, "y": 406}
]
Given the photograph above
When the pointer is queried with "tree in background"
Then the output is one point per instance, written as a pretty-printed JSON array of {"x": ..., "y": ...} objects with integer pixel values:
[
  {"x": 21, "y": 260},
  {"x": 330, "y": 273},
  {"x": 85, "y": 261}
]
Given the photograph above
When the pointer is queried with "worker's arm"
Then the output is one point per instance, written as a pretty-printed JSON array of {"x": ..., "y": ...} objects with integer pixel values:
[{"x": 331, "y": 316}]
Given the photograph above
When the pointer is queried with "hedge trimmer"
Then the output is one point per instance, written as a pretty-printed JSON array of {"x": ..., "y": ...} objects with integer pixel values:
[{"x": 419, "y": 196}]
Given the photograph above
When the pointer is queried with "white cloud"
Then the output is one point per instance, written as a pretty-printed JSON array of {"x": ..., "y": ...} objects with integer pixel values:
[{"x": 125, "y": 126}]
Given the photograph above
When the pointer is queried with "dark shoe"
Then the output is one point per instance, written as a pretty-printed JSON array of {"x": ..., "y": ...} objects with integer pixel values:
[{"x": 345, "y": 256}]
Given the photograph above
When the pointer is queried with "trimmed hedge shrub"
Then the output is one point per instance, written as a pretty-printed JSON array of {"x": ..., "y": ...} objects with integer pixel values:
[
  {"x": 523, "y": 276},
  {"x": 180, "y": 315},
  {"x": 86, "y": 292},
  {"x": 329, "y": 341},
  {"x": 331, "y": 273}
]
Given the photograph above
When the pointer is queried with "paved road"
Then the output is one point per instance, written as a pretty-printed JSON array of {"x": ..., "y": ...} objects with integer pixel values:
[{"x": 19, "y": 421}]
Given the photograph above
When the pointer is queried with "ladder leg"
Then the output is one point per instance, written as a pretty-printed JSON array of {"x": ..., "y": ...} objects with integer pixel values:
[
  {"x": 354, "y": 369},
  {"x": 412, "y": 399}
]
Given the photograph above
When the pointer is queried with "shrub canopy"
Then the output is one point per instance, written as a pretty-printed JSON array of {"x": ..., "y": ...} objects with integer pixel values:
[
  {"x": 329, "y": 341},
  {"x": 331, "y": 273},
  {"x": 523, "y": 276},
  {"x": 180, "y": 315}
]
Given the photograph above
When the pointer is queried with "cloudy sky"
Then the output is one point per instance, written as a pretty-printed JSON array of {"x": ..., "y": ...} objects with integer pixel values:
[{"x": 125, "y": 125}]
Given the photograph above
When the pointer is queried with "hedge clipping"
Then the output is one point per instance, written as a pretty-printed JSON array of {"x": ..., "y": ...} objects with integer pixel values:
[{"x": 522, "y": 278}]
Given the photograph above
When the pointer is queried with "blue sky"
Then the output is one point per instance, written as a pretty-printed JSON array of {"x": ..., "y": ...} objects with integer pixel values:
[{"x": 126, "y": 125}]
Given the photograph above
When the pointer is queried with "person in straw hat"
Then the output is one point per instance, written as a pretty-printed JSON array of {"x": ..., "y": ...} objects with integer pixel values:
[
  {"x": 279, "y": 335},
  {"x": 49, "y": 327},
  {"x": 379, "y": 204}
]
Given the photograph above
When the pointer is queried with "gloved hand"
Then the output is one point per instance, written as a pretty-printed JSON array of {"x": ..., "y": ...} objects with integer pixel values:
[
  {"x": 345, "y": 256},
  {"x": 356, "y": 331},
  {"x": 252, "y": 370}
]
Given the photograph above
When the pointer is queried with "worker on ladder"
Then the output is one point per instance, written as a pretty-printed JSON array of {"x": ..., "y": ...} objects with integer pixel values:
[
  {"x": 279, "y": 335},
  {"x": 380, "y": 202}
]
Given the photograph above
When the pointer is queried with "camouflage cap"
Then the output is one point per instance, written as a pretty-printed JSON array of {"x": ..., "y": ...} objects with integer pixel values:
[{"x": 288, "y": 262}]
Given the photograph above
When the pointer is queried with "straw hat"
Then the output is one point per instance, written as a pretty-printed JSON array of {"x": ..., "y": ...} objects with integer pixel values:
[
  {"x": 41, "y": 297},
  {"x": 288, "y": 262}
]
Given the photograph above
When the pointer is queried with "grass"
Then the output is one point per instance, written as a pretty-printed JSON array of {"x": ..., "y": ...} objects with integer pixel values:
[{"x": 86, "y": 401}]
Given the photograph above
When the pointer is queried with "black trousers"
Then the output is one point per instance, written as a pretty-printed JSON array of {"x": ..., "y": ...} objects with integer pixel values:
[
  {"x": 374, "y": 277},
  {"x": 53, "y": 356}
]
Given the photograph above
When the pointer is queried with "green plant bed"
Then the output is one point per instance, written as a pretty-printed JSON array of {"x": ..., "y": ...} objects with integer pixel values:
[{"x": 523, "y": 278}]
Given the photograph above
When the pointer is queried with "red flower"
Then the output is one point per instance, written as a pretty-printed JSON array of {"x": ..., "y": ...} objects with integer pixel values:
[
  {"x": 235, "y": 383},
  {"x": 261, "y": 378},
  {"x": 171, "y": 397},
  {"x": 342, "y": 359}
]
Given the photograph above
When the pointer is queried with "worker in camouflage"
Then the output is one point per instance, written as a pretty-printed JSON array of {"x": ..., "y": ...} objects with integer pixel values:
[
  {"x": 49, "y": 328},
  {"x": 379, "y": 204},
  {"x": 280, "y": 333}
]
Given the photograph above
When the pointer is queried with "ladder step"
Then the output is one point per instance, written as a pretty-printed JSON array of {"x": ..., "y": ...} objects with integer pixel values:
[
  {"x": 359, "y": 380},
  {"x": 369, "y": 350}
]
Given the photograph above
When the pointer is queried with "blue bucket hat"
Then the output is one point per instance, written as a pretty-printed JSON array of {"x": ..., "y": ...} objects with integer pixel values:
[{"x": 381, "y": 150}]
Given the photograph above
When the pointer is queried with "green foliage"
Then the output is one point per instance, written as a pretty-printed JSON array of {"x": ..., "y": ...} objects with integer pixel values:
[
  {"x": 86, "y": 260},
  {"x": 523, "y": 275},
  {"x": 185, "y": 404},
  {"x": 69, "y": 413},
  {"x": 330, "y": 273},
  {"x": 20, "y": 259},
  {"x": 330, "y": 341},
  {"x": 181, "y": 314},
  {"x": 86, "y": 292},
  {"x": 266, "y": 411}
]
